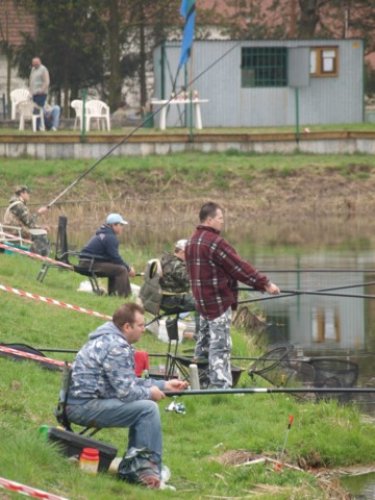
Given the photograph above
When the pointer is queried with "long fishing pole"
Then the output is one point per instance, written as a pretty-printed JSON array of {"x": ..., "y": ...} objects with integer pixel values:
[
  {"x": 330, "y": 289},
  {"x": 233, "y": 358},
  {"x": 273, "y": 390},
  {"x": 307, "y": 270},
  {"x": 301, "y": 292},
  {"x": 74, "y": 351},
  {"x": 323, "y": 292},
  {"x": 132, "y": 132},
  {"x": 331, "y": 294}
]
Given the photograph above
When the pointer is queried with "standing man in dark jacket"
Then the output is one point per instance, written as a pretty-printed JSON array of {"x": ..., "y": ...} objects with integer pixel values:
[
  {"x": 103, "y": 248},
  {"x": 214, "y": 268}
]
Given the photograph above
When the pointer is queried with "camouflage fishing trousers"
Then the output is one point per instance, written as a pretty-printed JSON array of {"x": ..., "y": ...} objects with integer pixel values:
[
  {"x": 40, "y": 244},
  {"x": 214, "y": 343}
]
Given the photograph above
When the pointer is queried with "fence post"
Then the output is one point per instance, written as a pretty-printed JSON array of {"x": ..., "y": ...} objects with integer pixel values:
[{"x": 83, "y": 124}]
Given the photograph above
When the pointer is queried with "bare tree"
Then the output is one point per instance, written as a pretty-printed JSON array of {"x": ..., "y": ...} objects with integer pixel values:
[{"x": 5, "y": 45}]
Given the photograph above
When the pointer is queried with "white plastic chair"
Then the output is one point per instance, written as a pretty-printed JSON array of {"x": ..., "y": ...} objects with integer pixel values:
[
  {"x": 77, "y": 105},
  {"x": 17, "y": 96},
  {"x": 11, "y": 234},
  {"x": 98, "y": 110},
  {"x": 28, "y": 110}
]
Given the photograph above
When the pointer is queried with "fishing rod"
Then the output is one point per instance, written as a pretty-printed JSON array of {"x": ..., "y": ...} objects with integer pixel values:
[
  {"x": 75, "y": 351},
  {"x": 273, "y": 390},
  {"x": 233, "y": 358},
  {"x": 307, "y": 270},
  {"x": 331, "y": 294},
  {"x": 301, "y": 292},
  {"x": 323, "y": 292},
  {"x": 330, "y": 289},
  {"x": 132, "y": 132}
]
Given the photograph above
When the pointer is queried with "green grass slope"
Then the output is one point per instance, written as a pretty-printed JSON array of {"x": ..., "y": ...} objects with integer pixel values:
[{"x": 195, "y": 444}]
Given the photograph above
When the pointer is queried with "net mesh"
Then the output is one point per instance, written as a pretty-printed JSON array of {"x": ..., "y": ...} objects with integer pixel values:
[{"x": 283, "y": 367}]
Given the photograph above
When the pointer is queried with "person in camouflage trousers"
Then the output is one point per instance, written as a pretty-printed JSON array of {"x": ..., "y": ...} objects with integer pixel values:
[
  {"x": 174, "y": 282},
  {"x": 18, "y": 215},
  {"x": 214, "y": 268}
]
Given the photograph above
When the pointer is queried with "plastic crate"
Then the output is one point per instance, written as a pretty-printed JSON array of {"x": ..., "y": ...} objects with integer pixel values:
[{"x": 71, "y": 445}]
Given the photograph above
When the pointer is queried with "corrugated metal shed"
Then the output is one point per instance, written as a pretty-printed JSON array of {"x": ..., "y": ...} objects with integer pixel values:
[{"x": 215, "y": 69}]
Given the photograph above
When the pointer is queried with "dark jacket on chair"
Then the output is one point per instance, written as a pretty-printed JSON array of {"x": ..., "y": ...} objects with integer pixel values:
[{"x": 104, "y": 247}]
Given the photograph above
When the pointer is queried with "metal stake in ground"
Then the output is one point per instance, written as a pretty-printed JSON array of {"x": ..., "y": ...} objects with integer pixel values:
[{"x": 279, "y": 464}]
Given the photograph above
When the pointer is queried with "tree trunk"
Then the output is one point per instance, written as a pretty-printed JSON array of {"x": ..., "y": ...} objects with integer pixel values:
[
  {"x": 114, "y": 55},
  {"x": 309, "y": 18},
  {"x": 142, "y": 60},
  {"x": 9, "y": 57},
  {"x": 293, "y": 19}
]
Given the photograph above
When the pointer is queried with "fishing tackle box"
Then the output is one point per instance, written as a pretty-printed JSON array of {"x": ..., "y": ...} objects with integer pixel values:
[{"x": 71, "y": 445}]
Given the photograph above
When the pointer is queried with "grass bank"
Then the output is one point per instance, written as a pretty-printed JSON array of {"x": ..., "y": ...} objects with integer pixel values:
[
  {"x": 201, "y": 447},
  {"x": 274, "y": 200}
]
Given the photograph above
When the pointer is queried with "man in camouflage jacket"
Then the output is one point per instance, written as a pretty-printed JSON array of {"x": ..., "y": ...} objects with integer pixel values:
[
  {"x": 174, "y": 282},
  {"x": 104, "y": 390},
  {"x": 18, "y": 215}
]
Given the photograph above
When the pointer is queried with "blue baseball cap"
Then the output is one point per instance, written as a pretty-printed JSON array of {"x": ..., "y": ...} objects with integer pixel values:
[{"x": 115, "y": 219}]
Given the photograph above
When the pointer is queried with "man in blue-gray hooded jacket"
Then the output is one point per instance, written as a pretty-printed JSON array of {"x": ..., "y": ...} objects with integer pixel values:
[
  {"x": 103, "y": 248},
  {"x": 104, "y": 390}
]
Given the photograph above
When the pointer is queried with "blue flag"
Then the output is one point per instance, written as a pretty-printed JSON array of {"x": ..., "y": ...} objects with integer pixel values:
[{"x": 187, "y": 11}]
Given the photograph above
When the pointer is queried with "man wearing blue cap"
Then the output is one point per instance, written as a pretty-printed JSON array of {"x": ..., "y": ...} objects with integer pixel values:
[{"x": 103, "y": 248}]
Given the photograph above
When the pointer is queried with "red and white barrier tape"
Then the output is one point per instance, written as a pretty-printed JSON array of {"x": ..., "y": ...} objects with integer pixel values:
[
  {"x": 7, "y": 484},
  {"x": 35, "y": 256},
  {"x": 29, "y": 355},
  {"x": 47, "y": 300},
  {"x": 9, "y": 235}
]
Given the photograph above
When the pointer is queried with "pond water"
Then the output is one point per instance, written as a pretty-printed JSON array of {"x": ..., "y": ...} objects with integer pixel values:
[
  {"x": 361, "y": 486},
  {"x": 326, "y": 325},
  {"x": 336, "y": 324}
]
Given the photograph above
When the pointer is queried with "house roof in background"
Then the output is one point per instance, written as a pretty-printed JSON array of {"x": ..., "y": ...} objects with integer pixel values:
[{"x": 15, "y": 20}]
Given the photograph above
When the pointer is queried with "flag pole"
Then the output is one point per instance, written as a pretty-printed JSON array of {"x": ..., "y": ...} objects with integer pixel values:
[{"x": 190, "y": 95}]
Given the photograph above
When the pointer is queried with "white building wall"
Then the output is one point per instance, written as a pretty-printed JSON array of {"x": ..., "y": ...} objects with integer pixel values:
[{"x": 215, "y": 69}]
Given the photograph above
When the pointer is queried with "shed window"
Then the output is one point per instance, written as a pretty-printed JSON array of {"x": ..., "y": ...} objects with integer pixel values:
[
  {"x": 324, "y": 61},
  {"x": 264, "y": 67}
]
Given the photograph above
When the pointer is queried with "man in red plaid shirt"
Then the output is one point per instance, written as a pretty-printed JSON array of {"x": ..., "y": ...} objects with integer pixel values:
[{"x": 214, "y": 268}]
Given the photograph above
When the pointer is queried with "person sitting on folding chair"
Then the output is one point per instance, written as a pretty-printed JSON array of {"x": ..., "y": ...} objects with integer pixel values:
[
  {"x": 171, "y": 290},
  {"x": 103, "y": 248},
  {"x": 174, "y": 281},
  {"x": 105, "y": 390},
  {"x": 17, "y": 214}
]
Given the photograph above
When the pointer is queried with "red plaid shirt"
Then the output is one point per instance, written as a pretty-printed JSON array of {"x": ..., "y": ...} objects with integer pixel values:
[{"x": 214, "y": 268}]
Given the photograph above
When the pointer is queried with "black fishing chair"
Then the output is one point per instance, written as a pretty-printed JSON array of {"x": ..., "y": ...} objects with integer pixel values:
[
  {"x": 61, "y": 250},
  {"x": 60, "y": 411},
  {"x": 89, "y": 272},
  {"x": 62, "y": 254}
]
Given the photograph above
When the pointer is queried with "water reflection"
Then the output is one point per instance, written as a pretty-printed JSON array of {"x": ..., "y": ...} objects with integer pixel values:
[
  {"x": 339, "y": 320},
  {"x": 321, "y": 325},
  {"x": 361, "y": 486}
]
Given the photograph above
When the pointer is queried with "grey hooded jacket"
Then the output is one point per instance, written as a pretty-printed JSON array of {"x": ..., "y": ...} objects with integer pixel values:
[{"x": 104, "y": 369}]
